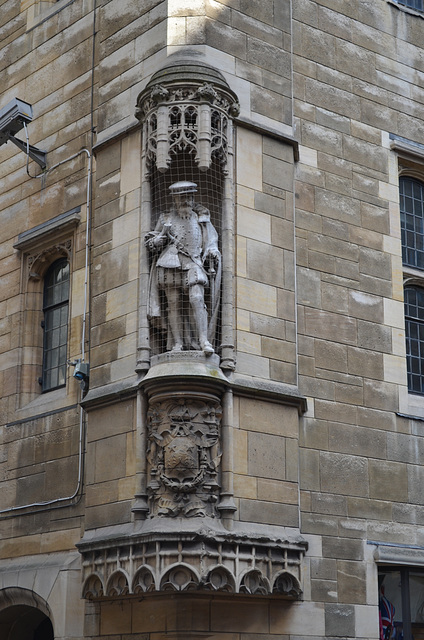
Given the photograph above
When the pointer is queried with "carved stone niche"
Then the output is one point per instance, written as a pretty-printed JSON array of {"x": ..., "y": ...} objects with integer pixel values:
[{"x": 187, "y": 258}]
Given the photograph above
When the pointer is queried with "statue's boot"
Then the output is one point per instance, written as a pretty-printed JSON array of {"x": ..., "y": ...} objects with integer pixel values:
[
  {"x": 201, "y": 318},
  {"x": 174, "y": 319}
]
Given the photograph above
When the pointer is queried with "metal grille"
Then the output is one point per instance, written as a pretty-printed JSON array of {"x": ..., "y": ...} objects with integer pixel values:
[
  {"x": 177, "y": 281},
  {"x": 414, "y": 332},
  {"x": 55, "y": 307},
  {"x": 412, "y": 221}
]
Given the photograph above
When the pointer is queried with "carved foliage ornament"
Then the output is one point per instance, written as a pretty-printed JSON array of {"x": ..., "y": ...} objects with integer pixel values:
[
  {"x": 194, "y": 119},
  {"x": 183, "y": 455},
  {"x": 38, "y": 263}
]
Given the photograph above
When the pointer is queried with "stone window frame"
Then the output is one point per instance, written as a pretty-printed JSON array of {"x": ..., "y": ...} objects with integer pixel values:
[
  {"x": 410, "y": 158},
  {"x": 413, "y": 278},
  {"x": 411, "y": 321},
  {"x": 40, "y": 247}
]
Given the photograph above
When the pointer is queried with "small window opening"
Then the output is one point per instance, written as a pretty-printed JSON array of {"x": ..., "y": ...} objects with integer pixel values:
[{"x": 55, "y": 325}]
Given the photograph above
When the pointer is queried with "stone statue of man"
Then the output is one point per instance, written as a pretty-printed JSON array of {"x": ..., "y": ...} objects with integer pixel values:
[{"x": 186, "y": 262}]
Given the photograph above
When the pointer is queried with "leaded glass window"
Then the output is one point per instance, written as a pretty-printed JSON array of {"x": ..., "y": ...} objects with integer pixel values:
[
  {"x": 414, "y": 332},
  {"x": 55, "y": 307},
  {"x": 411, "y": 193}
]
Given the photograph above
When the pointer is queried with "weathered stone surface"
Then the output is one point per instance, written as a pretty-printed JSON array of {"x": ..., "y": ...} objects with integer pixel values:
[{"x": 340, "y": 620}]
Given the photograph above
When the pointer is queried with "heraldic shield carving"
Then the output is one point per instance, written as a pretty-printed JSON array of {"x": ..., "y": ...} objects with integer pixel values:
[{"x": 183, "y": 453}]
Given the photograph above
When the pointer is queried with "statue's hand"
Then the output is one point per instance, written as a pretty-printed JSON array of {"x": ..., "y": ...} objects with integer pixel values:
[
  {"x": 155, "y": 240},
  {"x": 211, "y": 255},
  {"x": 211, "y": 260}
]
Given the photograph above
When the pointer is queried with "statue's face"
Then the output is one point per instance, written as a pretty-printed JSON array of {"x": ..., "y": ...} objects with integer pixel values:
[{"x": 183, "y": 200}]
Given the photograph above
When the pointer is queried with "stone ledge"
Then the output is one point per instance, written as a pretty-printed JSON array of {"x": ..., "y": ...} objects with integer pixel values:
[
  {"x": 267, "y": 389},
  {"x": 51, "y": 228},
  {"x": 397, "y": 554},
  {"x": 111, "y": 393},
  {"x": 196, "y": 370}
]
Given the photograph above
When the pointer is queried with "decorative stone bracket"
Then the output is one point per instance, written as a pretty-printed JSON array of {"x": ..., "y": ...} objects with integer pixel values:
[{"x": 206, "y": 561}]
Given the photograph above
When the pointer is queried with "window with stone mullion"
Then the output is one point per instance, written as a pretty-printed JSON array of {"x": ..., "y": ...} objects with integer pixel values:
[
  {"x": 414, "y": 332},
  {"x": 411, "y": 194}
]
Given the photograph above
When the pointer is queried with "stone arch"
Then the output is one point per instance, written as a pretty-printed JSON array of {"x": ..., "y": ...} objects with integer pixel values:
[
  {"x": 40, "y": 261},
  {"x": 144, "y": 580},
  {"x": 24, "y": 615},
  {"x": 180, "y": 577},
  {"x": 93, "y": 587},
  {"x": 254, "y": 582},
  {"x": 118, "y": 584},
  {"x": 220, "y": 579},
  {"x": 286, "y": 584}
]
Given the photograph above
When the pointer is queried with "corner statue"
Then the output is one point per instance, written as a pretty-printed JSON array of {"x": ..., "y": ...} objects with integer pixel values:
[{"x": 185, "y": 274}]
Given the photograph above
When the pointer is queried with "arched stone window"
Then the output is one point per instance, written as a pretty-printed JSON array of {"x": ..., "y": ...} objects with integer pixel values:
[{"x": 47, "y": 258}]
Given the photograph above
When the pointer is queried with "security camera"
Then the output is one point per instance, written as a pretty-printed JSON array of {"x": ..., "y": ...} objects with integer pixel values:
[
  {"x": 82, "y": 371},
  {"x": 14, "y": 117}
]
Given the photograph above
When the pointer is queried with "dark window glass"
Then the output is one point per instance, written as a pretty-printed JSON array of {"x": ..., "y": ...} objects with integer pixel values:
[
  {"x": 55, "y": 307},
  {"x": 412, "y": 221},
  {"x": 401, "y": 603},
  {"x": 414, "y": 333},
  {"x": 413, "y": 4}
]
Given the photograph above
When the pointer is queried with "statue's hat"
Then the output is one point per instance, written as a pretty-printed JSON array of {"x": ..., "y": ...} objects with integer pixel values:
[{"x": 183, "y": 187}]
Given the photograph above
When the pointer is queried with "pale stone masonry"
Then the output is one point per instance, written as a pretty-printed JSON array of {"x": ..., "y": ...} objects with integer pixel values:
[{"x": 267, "y": 490}]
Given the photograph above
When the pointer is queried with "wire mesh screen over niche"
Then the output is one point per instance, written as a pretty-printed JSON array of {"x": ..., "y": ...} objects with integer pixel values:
[
  {"x": 187, "y": 111},
  {"x": 188, "y": 279}
]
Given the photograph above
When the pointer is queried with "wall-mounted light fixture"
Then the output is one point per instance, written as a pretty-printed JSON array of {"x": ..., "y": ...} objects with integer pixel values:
[{"x": 14, "y": 117}]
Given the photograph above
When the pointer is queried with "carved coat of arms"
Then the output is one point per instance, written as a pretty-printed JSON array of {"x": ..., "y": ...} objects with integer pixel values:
[{"x": 183, "y": 455}]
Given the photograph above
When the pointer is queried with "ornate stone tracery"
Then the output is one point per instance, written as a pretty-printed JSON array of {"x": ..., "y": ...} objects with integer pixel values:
[
  {"x": 193, "y": 117},
  {"x": 205, "y": 561},
  {"x": 37, "y": 263}
]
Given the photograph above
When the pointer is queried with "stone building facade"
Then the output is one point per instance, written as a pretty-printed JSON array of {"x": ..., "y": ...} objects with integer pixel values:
[{"x": 211, "y": 319}]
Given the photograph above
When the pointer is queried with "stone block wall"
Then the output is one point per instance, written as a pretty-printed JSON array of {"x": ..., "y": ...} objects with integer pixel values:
[
  {"x": 110, "y": 478},
  {"x": 266, "y": 462},
  {"x": 40, "y": 433},
  {"x": 265, "y": 303},
  {"x": 318, "y": 292},
  {"x": 353, "y": 68}
]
